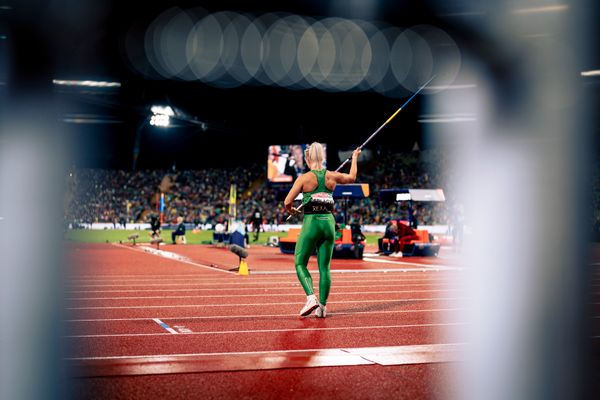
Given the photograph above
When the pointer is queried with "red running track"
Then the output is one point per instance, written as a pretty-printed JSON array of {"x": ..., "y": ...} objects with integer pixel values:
[{"x": 141, "y": 325}]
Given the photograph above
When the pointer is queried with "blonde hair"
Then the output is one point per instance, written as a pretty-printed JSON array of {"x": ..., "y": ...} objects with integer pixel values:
[{"x": 315, "y": 154}]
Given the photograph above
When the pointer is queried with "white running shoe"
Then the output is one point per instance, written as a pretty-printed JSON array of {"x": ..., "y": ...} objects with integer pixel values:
[
  {"x": 311, "y": 304},
  {"x": 397, "y": 254},
  {"x": 321, "y": 312}
]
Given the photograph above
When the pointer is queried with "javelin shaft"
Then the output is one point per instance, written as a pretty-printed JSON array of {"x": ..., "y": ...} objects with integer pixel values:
[
  {"x": 377, "y": 131},
  {"x": 388, "y": 120}
]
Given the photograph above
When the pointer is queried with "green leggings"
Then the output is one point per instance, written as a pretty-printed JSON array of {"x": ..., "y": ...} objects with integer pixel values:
[{"x": 318, "y": 232}]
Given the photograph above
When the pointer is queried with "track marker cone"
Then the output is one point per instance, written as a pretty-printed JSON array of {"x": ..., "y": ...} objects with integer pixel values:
[{"x": 243, "y": 267}]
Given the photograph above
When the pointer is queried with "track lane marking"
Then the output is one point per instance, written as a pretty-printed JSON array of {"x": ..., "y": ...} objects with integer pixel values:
[
  {"x": 254, "y": 288},
  {"x": 296, "y": 293},
  {"x": 181, "y": 260},
  {"x": 271, "y": 330},
  {"x": 365, "y": 271},
  {"x": 267, "y": 360},
  {"x": 258, "y": 304},
  {"x": 183, "y": 355},
  {"x": 264, "y": 315},
  {"x": 165, "y": 326},
  {"x": 199, "y": 275},
  {"x": 127, "y": 366},
  {"x": 260, "y": 282},
  {"x": 422, "y": 265}
]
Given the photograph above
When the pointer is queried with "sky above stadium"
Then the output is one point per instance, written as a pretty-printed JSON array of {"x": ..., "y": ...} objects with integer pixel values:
[{"x": 239, "y": 75}]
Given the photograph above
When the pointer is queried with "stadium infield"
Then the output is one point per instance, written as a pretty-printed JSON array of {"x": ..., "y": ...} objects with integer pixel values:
[{"x": 192, "y": 237}]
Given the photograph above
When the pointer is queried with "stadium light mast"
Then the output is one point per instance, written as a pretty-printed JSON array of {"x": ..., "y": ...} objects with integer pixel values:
[
  {"x": 160, "y": 117},
  {"x": 164, "y": 116}
]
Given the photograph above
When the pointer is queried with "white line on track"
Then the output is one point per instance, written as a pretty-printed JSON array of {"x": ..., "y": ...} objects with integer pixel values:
[
  {"x": 165, "y": 326},
  {"x": 252, "y": 288},
  {"x": 364, "y": 271},
  {"x": 337, "y": 328},
  {"x": 422, "y": 265},
  {"x": 257, "y": 304},
  {"x": 119, "y": 276},
  {"x": 147, "y": 250},
  {"x": 227, "y": 296},
  {"x": 203, "y": 317},
  {"x": 200, "y": 275},
  {"x": 259, "y": 282},
  {"x": 383, "y": 349}
]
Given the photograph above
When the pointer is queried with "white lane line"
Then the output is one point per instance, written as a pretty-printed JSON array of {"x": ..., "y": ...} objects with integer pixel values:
[
  {"x": 295, "y": 285},
  {"x": 337, "y": 328},
  {"x": 227, "y": 296},
  {"x": 365, "y": 271},
  {"x": 162, "y": 254},
  {"x": 312, "y": 267},
  {"x": 257, "y": 304},
  {"x": 177, "y": 277},
  {"x": 428, "y": 266},
  {"x": 258, "y": 282},
  {"x": 382, "y": 349},
  {"x": 165, "y": 326},
  {"x": 119, "y": 276},
  {"x": 253, "y": 316}
]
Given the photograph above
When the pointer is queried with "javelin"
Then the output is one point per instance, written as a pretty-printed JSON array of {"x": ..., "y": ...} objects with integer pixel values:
[{"x": 377, "y": 131}]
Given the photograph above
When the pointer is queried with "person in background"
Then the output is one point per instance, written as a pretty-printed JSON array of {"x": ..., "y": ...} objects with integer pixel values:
[
  {"x": 406, "y": 234},
  {"x": 179, "y": 231},
  {"x": 391, "y": 233},
  {"x": 256, "y": 220},
  {"x": 154, "y": 226},
  {"x": 414, "y": 218}
]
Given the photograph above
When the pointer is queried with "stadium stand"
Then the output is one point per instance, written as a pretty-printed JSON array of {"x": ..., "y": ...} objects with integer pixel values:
[{"x": 201, "y": 196}]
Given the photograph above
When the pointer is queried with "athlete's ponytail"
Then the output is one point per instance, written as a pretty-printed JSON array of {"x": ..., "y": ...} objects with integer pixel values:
[{"x": 315, "y": 154}]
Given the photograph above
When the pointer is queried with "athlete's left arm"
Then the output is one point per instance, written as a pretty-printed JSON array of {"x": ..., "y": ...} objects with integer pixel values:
[{"x": 294, "y": 192}]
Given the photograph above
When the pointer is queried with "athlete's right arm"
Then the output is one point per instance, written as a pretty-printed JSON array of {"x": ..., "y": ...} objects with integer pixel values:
[
  {"x": 294, "y": 192},
  {"x": 342, "y": 178}
]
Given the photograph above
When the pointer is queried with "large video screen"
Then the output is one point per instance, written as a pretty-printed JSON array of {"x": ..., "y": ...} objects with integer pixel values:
[{"x": 286, "y": 162}]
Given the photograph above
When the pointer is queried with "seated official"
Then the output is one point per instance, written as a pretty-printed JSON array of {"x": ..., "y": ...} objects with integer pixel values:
[
  {"x": 179, "y": 231},
  {"x": 405, "y": 235},
  {"x": 398, "y": 235}
]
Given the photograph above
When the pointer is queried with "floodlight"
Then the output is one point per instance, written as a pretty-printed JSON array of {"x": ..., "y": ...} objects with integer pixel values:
[
  {"x": 160, "y": 120},
  {"x": 162, "y": 110}
]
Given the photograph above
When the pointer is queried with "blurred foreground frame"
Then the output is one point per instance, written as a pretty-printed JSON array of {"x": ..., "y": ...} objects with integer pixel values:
[
  {"x": 32, "y": 179},
  {"x": 524, "y": 164}
]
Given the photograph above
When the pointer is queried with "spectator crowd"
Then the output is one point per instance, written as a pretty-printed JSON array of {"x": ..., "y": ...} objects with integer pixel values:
[{"x": 202, "y": 196}]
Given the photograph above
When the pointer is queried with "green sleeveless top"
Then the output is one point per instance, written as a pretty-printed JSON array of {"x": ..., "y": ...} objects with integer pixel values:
[{"x": 321, "y": 195}]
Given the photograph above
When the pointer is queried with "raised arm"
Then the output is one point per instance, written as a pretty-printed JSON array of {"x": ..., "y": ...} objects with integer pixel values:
[{"x": 350, "y": 177}]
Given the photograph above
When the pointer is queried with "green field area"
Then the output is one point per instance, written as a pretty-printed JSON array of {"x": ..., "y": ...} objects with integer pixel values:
[{"x": 201, "y": 237}]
